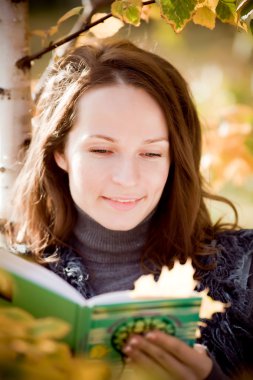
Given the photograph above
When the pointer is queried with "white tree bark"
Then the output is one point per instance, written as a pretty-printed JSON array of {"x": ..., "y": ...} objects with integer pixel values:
[{"x": 15, "y": 99}]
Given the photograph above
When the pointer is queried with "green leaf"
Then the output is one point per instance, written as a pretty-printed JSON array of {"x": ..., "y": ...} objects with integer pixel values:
[
  {"x": 251, "y": 26},
  {"x": 245, "y": 9},
  {"x": 128, "y": 11},
  {"x": 210, "y": 4},
  {"x": 226, "y": 11},
  {"x": 177, "y": 12}
]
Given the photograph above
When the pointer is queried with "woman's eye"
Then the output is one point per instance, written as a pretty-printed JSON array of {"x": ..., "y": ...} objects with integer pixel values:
[
  {"x": 150, "y": 154},
  {"x": 100, "y": 151}
]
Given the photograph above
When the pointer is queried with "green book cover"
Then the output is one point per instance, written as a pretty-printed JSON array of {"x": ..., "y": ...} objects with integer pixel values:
[{"x": 101, "y": 325}]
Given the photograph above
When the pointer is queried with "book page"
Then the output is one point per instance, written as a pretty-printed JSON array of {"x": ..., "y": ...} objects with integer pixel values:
[
  {"x": 120, "y": 296},
  {"x": 36, "y": 273},
  {"x": 125, "y": 296}
]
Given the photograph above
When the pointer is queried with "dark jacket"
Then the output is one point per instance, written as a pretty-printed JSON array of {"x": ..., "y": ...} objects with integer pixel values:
[{"x": 228, "y": 336}]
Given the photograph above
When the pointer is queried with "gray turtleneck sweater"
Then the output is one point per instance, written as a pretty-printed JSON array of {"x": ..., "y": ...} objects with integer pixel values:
[{"x": 112, "y": 258}]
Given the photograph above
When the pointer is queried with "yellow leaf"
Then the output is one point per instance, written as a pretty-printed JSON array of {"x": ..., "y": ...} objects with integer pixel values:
[
  {"x": 73, "y": 12},
  {"x": 6, "y": 355},
  {"x": 16, "y": 315},
  {"x": 106, "y": 29},
  {"x": 98, "y": 351},
  {"x": 6, "y": 285},
  {"x": 48, "y": 346},
  {"x": 92, "y": 370},
  {"x": 168, "y": 283},
  {"x": 53, "y": 30},
  {"x": 49, "y": 328},
  {"x": 211, "y": 4},
  {"x": 10, "y": 329},
  {"x": 39, "y": 33},
  {"x": 39, "y": 371},
  {"x": 20, "y": 346},
  {"x": 210, "y": 306},
  {"x": 205, "y": 17}
]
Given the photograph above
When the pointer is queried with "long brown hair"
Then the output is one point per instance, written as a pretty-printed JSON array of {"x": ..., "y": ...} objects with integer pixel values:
[{"x": 44, "y": 209}]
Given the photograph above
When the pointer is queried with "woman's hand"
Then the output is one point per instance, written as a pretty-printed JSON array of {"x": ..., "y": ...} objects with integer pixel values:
[{"x": 167, "y": 357}]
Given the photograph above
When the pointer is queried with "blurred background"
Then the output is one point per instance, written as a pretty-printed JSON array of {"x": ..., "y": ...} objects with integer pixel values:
[{"x": 218, "y": 65}]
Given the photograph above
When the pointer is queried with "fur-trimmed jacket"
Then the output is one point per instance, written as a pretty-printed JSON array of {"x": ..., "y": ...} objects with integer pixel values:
[{"x": 228, "y": 336}]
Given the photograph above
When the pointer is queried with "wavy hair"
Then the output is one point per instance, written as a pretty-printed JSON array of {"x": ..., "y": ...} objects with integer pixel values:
[{"x": 44, "y": 211}]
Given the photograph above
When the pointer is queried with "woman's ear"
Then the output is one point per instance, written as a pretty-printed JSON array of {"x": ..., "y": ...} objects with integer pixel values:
[{"x": 61, "y": 161}]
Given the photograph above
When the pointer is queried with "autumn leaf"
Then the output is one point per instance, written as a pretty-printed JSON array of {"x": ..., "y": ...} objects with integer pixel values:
[
  {"x": 73, "y": 12},
  {"x": 128, "y": 11},
  {"x": 205, "y": 17},
  {"x": 48, "y": 328},
  {"x": 210, "y": 4},
  {"x": 16, "y": 315},
  {"x": 6, "y": 286},
  {"x": 177, "y": 12},
  {"x": 226, "y": 11},
  {"x": 106, "y": 29},
  {"x": 44, "y": 34}
]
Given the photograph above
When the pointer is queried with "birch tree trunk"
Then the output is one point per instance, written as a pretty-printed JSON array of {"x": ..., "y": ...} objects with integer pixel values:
[{"x": 15, "y": 99}]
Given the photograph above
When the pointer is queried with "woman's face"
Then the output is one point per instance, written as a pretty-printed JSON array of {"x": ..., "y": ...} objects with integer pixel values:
[{"x": 117, "y": 155}]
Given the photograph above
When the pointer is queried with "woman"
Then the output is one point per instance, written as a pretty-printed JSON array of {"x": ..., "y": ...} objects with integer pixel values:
[{"x": 111, "y": 189}]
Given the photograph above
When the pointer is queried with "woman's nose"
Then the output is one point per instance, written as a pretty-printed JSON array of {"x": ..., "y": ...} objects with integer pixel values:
[{"x": 125, "y": 172}]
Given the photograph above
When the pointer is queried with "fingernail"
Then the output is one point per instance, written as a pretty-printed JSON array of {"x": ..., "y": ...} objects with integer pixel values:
[
  {"x": 126, "y": 349},
  {"x": 201, "y": 348},
  {"x": 133, "y": 342},
  {"x": 151, "y": 335}
]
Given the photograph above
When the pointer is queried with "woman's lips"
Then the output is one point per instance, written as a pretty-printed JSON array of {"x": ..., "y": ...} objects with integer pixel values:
[{"x": 122, "y": 204}]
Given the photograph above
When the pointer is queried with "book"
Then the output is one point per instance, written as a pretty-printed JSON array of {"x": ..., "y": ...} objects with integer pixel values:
[{"x": 100, "y": 326}]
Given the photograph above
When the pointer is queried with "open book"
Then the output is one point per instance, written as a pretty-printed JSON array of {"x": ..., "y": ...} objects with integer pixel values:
[{"x": 101, "y": 325}]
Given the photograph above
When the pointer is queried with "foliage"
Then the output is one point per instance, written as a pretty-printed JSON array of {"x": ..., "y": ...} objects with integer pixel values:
[
  {"x": 29, "y": 349},
  {"x": 178, "y": 13},
  {"x": 229, "y": 158},
  {"x": 128, "y": 11},
  {"x": 44, "y": 34}
]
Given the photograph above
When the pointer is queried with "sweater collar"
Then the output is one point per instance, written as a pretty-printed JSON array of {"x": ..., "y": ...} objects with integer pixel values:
[{"x": 97, "y": 243}]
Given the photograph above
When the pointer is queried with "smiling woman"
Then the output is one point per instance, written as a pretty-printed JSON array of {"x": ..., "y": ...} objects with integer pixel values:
[
  {"x": 111, "y": 186},
  {"x": 118, "y": 159}
]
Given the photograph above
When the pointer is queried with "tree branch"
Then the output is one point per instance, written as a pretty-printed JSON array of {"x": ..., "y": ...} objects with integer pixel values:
[{"x": 25, "y": 62}]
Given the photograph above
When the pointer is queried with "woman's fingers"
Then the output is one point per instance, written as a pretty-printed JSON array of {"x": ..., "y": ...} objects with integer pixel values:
[
  {"x": 173, "y": 355},
  {"x": 151, "y": 370},
  {"x": 181, "y": 351},
  {"x": 140, "y": 349},
  {"x": 200, "y": 348}
]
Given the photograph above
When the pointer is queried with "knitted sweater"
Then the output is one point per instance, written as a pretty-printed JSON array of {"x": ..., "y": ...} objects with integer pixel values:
[{"x": 228, "y": 335}]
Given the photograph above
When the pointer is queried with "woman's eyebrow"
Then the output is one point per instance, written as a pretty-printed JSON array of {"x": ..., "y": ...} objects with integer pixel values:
[
  {"x": 102, "y": 137},
  {"x": 151, "y": 141},
  {"x": 148, "y": 141}
]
